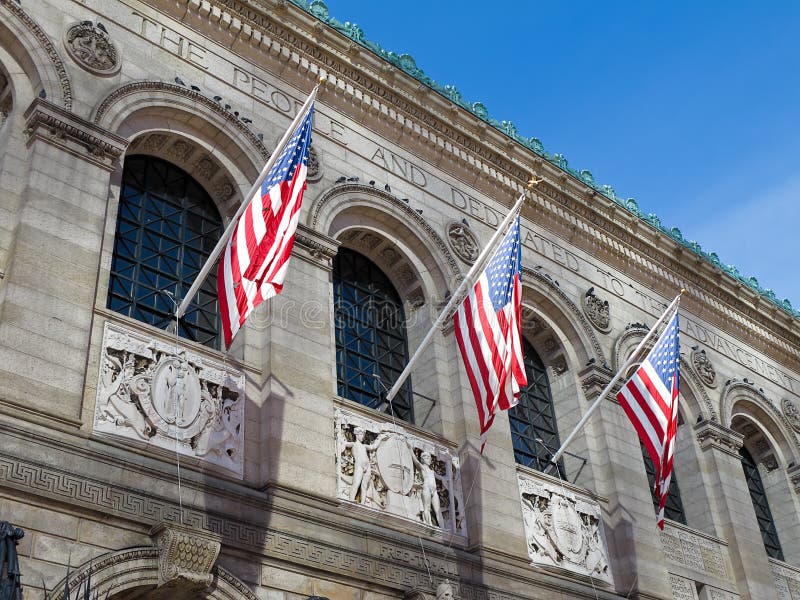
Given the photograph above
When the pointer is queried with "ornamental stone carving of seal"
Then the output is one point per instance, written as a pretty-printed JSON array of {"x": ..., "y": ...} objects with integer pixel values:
[
  {"x": 314, "y": 172},
  {"x": 463, "y": 241},
  {"x": 597, "y": 310},
  {"x": 702, "y": 365},
  {"x": 792, "y": 413},
  {"x": 90, "y": 46}
]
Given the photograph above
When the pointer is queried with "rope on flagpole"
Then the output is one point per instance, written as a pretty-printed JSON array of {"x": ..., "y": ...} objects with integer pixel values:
[{"x": 673, "y": 306}]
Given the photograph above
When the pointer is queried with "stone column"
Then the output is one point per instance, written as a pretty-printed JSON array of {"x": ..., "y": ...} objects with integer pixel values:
[
  {"x": 49, "y": 288},
  {"x": 637, "y": 559},
  {"x": 731, "y": 502},
  {"x": 298, "y": 413}
]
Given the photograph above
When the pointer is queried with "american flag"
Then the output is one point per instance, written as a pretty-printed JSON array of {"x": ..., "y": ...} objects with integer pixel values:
[
  {"x": 650, "y": 399},
  {"x": 254, "y": 262},
  {"x": 488, "y": 332}
]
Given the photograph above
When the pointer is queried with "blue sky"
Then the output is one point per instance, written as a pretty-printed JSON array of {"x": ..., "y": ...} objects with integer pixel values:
[{"x": 691, "y": 108}]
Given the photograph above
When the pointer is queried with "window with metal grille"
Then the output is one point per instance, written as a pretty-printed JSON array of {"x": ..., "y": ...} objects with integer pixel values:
[
  {"x": 370, "y": 334},
  {"x": 673, "y": 507},
  {"x": 167, "y": 226},
  {"x": 533, "y": 420},
  {"x": 759, "y": 497}
]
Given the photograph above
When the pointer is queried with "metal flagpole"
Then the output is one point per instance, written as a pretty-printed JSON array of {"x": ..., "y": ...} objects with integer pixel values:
[
  {"x": 634, "y": 355},
  {"x": 457, "y": 294},
  {"x": 212, "y": 258}
]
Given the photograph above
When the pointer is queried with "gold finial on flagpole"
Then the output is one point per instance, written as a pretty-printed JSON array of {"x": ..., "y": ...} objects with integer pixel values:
[
  {"x": 534, "y": 181},
  {"x": 323, "y": 79},
  {"x": 683, "y": 291}
]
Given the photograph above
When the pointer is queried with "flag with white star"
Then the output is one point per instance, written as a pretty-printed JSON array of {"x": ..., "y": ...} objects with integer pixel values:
[
  {"x": 489, "y": 335},
  {"x": 255, "y": 259},
  {"x": 650, "y": 399}
]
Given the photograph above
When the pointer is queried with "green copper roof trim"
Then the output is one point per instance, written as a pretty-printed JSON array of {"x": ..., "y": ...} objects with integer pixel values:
[{"x": 406, "y": 63}]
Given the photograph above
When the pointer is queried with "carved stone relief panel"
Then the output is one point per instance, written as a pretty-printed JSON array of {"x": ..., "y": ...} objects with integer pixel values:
[
  {"x": 386, "y": 468},
  {"x": 90, "y": 46},
  {"x": 682, "y": 589},
  {"x": 314, "y": 172},
  {"x": 597, "y": 311},
  {"x": 149, "y": 394},
  {"x": 711, "y": 593},
  {"x": 787, "y": 580},
  {"x": 463, "y": 241},
  {"x": 792, "y": 413},
  {"x": 697, "y": 552},
  {"x": 702, "y": 365},
  {"x": 563, "y": 529}
]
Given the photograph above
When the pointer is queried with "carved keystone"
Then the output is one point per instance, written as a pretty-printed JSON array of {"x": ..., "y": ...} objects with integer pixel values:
[{"x": 185, "y": 559}]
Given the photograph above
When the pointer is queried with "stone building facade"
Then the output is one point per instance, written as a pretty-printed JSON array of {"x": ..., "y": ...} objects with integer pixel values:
[{"x": 162, "y": 467}]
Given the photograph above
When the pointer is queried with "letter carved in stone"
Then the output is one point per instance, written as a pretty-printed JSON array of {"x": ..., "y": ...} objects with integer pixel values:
[
  {"x": 148, "y": 393},
  {"x": 563, "y": 530},
  {"x": 597, "y": 310},
  {"x": 90, "y": 46},
  {"x": 383, "y": 467}
]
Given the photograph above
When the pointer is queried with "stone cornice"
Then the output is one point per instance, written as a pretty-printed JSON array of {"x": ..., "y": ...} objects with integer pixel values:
[
  {"x": 360, "y": 82},
  {"x": 55, "y": 125},
  {"x": 316, "y": 248},
  {"x": 711, "y": 434}
]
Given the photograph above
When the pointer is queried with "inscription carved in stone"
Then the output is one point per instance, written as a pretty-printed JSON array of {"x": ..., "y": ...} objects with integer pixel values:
[
  {"x": 792, "y": 413},
  {"x": 787, "y": 580},
  {"x": 696, "y": 552},
  {"x": 563, "y": 529},
  {"x": 385, "y": 468},
  {"x": 597, "y": 310},
  {"x": 149, "y": 394},
  {"x": 90, "y": 46},
  {"x": 463, "y": 242},
  {"x": 682, "y": 589},
  {"x": 702, "y": 365}
]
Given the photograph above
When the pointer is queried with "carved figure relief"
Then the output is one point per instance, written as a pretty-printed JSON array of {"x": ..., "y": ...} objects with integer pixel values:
[
  {"x": 383, "y": 467},
  {"x": 90, "y": 46},
  {"x": 444, "y": 591},
  {"x": 792, "y": 413},
  {"x": 314, "y": 172},
  {"x": 563, "y": 530},
  {"x": 702, "y": 365},
  {"x": 597, "y": 310},
  {"x": 148, "y": 393},
  {"x": 463, "y": 241}
]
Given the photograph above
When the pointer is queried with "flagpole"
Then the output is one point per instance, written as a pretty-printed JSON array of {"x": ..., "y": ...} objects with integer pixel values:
[
  {"x": 212, "y": 258},
  {"x": 634, "y": 355},
  {"x": 477, "y": 265}
]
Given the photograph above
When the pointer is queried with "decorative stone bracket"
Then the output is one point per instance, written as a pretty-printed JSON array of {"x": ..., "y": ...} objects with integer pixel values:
[
  {"x": 185, "y": 559},
  {"x": 55, "y": 125},
  {"x": 711, "y": 434}
]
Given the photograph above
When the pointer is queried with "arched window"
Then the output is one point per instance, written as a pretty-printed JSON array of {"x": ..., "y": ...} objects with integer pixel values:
[
  {"x": 167, "y": 226},
  {"x": 759, "y": 497},
  {"x": 370, "y": 334},
  {"x": 673, "y": 507},
  {"x": 533, "y": 420}
]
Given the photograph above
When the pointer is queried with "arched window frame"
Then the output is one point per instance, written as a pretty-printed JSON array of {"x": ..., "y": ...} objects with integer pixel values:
[
  {"x": 758, "y": 495},
  {"x": 162, "y": 239},
  {"x": 371, "y": 335}
]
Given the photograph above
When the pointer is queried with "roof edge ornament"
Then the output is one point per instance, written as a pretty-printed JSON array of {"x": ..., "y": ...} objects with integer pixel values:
[{"x": 407, "y": 64}]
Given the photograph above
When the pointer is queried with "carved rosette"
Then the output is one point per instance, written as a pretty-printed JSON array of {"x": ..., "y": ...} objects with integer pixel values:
[
  {"x": 463, "y": 242},
  {"x": 90, "y": 46},
  {"x": 597, "y": 311},
  {"x": 792, "y": 413},
  {"x": 159, "y": 399},
  {"x": 563, "y": 529},
  {"x": 383, "y": 467},
  {"x": 703, "y": 367}
]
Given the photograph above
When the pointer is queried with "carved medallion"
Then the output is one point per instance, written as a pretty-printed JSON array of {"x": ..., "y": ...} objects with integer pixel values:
[
  {"x": 463, "y": 241},
  {"x": 792, "y": 413},
  {"x": 597, "y": 310},
  {"x": 314, "y": 172},
  {"x": 395, "y": 464},
  {"x": 702, "y": 365},
  {"x": 90, "y": 46}
]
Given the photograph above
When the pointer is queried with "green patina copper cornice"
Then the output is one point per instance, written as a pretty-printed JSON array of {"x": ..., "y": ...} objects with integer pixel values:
[{"x": 406, "y": 63}]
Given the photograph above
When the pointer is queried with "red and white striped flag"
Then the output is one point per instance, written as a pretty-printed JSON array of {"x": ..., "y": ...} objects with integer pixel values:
[
  {"x": 254, "y": 262},
  {"x": 488, "y": 332},
  {"x": 650, "y": 399}
]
